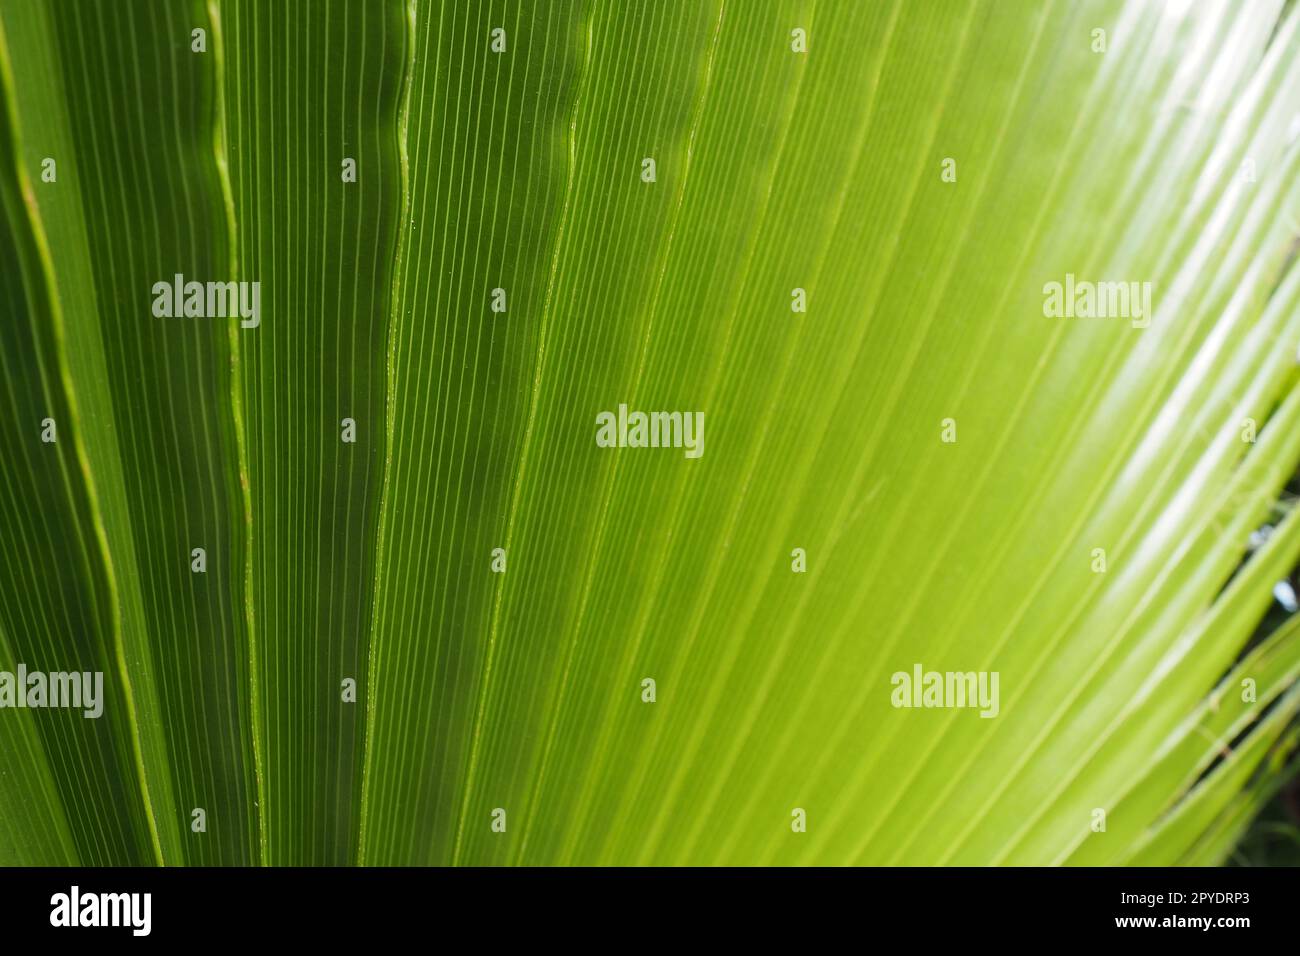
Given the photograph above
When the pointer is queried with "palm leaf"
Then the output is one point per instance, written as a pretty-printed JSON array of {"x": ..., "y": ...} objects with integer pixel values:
[{"x": 503, "y": 268}]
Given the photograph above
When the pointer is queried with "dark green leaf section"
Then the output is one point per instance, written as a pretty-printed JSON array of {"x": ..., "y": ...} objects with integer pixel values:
[
  {"x": 309, "y": 85},
  {"x": 490, "y": 165},
  {"x": 74, "y": 779},
  {"x": 138, "y": 201}
]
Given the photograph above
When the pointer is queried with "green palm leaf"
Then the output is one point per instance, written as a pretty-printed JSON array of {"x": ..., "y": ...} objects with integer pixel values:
[{"x": 428, "y": 603}]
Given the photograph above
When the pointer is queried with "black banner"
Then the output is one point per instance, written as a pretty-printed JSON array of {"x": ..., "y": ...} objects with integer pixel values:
[{"x": 338, "y": 906}]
